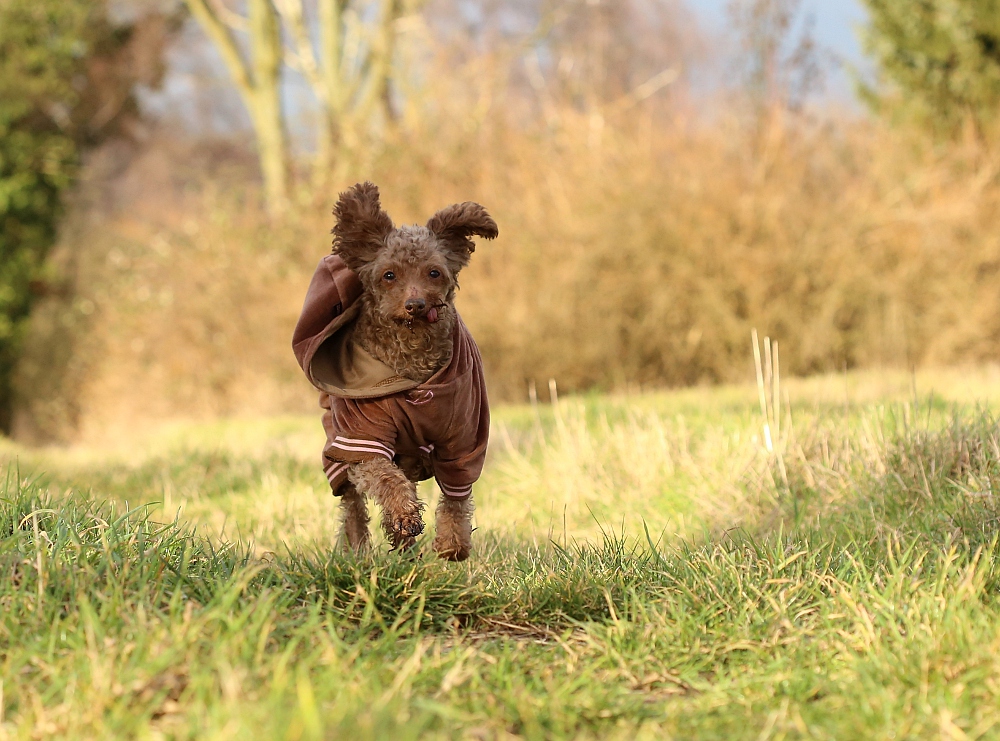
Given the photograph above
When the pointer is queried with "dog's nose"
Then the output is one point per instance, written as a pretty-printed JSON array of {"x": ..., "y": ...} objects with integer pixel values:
[{"x": 413, "y": 305}]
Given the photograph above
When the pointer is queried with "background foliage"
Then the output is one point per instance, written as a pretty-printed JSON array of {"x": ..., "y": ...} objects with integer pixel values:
[
  {"x": 39, "y": 57},
  {"x": 66, "y": 77},
  {"x": 942, "y": 58},
  {"x": 646, "y": 225}
]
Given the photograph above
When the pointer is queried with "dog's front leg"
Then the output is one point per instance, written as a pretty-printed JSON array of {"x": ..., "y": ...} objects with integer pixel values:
[
  {"x": 453, "y": 539},
  {"x": 354, "y": 530},
  {"x": 384, "y": 482}
]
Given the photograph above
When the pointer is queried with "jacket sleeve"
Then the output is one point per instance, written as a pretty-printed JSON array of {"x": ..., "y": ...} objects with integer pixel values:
[
  {"x": 459, "y": 459},
  {"x": 358, "y": 429},
  {"x": 336, "y": 471}
]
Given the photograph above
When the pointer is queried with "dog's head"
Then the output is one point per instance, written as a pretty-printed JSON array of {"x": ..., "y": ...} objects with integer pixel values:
[{"x": 411, "y": 272}]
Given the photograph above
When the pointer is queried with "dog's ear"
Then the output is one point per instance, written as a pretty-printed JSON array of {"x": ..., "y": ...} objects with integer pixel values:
[
  {"x": 362, "y": 225},
  {"x": 454, "y": 225}
]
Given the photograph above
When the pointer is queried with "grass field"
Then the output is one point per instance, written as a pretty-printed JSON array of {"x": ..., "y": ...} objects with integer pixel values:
[{"x": 644, "y": 568}]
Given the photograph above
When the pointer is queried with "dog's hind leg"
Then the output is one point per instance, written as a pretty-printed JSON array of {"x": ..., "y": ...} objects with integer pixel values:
[
  {"x": 354, "y": 528},
  {"x": 453, "y": 539},
  {"x": 384, "y": 482}
]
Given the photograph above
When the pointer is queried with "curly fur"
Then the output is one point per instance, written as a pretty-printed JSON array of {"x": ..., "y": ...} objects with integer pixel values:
[
  {"x": 362, "y": 225},
  {"x": 414, "y": 349},
  {"x": 410, "y": 276},
  {"x": 455, "y": 224},
  {"x": 453, "y": 539},
  {"x": 354, "y": 530},
  {"x": 384, "y": 482}
]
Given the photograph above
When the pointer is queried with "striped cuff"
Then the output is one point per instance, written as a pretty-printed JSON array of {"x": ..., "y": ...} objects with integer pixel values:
[
  {"x": 362, "y": 446},
  {"x": 334, "y": 470},
  {"x": 459, "y": 492}
]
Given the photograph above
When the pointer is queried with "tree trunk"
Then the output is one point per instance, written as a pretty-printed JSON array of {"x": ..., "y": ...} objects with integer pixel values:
[
  {"x": 351, "y": 77},
  {"x": 259, "y": 84},
  {"x": 329, "y": 88},
  {"x": 266, "y": 53}
]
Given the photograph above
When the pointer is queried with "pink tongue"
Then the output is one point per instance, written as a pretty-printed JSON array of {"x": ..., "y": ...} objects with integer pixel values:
[{"x": 432, "y": 315}]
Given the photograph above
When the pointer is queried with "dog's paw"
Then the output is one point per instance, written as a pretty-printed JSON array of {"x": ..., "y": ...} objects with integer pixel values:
[
  {"x": 404, "y": 531},
  {"x": 459, "y": 554},
  {"x": 450, "y": 550},
  {"x": 403, "y": 543},
  {"x": 407, "y": 547},
  {"x": 409, "y": 525}
]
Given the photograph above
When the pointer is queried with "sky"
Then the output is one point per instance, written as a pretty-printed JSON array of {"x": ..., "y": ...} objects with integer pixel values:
[{"x": 835, "y": 24}]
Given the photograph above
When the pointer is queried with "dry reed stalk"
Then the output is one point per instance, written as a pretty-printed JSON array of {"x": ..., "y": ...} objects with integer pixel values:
[
  {"x": 761, "y": 391},
  {"x": 769, "y": 397}
]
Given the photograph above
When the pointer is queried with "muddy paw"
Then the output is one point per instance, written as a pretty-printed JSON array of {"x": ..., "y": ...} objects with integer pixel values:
[
  {"x": 409, "y": 526},
  {"x": 413, "y": 528},
  {"x": 404, "y": 531}
]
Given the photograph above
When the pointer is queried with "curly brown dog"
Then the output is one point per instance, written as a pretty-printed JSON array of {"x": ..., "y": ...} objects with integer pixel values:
[{"x": 399, "y": 374}]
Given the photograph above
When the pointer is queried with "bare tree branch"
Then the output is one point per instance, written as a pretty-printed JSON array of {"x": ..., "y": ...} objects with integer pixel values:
[
  {"x": 223, "y": 39},
  {"x": 258, "y": 80},
  {"x": 304, "y": 58},
  {"x": 331, "y": 16},
  {"x": 234, "y": 20}
]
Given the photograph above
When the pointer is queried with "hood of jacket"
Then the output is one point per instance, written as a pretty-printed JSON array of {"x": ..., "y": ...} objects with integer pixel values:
[{"x": 322, "y": 341}]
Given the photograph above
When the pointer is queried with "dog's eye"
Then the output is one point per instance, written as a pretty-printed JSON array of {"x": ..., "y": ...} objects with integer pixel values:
[
  {"x": 435, "y": 273},
  {"x": 389, "y": 275}
]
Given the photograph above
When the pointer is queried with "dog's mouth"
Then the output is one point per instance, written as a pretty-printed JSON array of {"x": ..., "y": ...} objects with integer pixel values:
[{"x": 431, "y": 316}]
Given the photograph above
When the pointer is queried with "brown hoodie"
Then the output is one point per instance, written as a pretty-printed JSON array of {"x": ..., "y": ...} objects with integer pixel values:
[{"x": 437, "y": 428}]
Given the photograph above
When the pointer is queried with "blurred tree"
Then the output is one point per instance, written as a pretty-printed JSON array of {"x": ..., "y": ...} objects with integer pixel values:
[
  {"x": 67, "y": 73},
  {"x": 943, "y": 56},
  {"x": 779, "y": 59},
  {"x": 351, "y": 74},
  {"x": 258, "y": 81},
  {"x": 611, "y": 52},
  {"x": 349, "y": 70}
]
